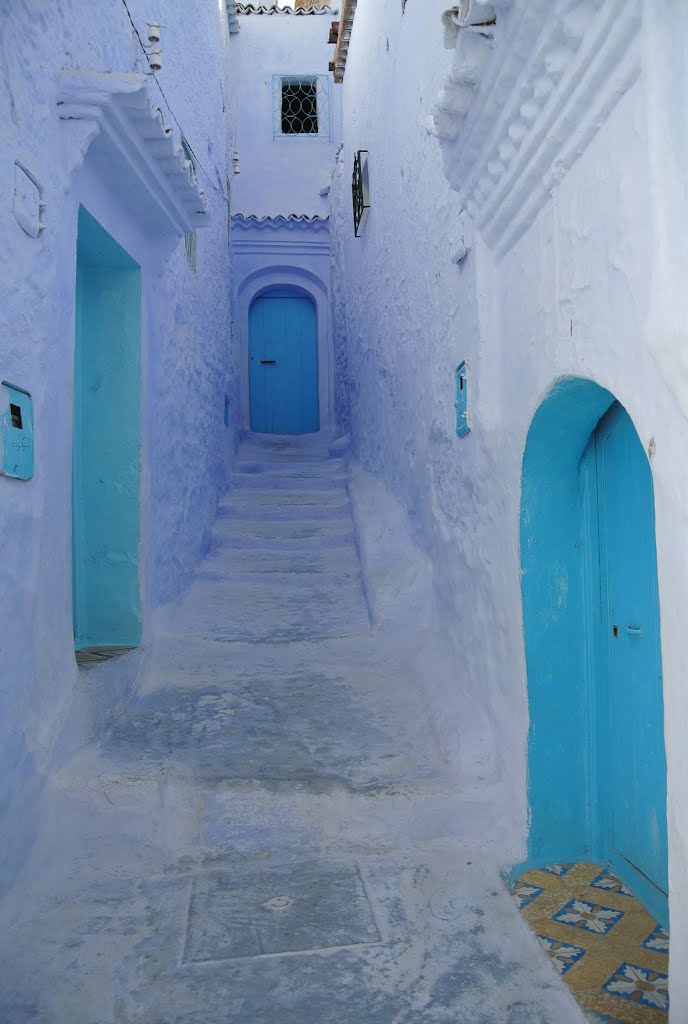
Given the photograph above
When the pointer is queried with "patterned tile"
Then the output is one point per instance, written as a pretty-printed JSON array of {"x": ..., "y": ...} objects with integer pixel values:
[
  {"x": 658, "y": 939},
  {"x": 557, "y": 869},
  {"x": 607, "y": 880},
  {"x": 525, "y": 894},
  {"x": 591, "y": 917},
  {"x": 561, "y": 954},
  {"x": 613, "y": 940},
  {"x": 640, "y": 985}
]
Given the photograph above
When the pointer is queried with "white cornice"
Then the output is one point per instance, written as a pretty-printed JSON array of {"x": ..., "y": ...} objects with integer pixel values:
[
  {"x": 297, "y": 234},
  {"x": 291, "y": 221},
  {"x": 273, "y": 9},
  {"x": 137, "y": 155},
  {"x": 523, "y": 99}
]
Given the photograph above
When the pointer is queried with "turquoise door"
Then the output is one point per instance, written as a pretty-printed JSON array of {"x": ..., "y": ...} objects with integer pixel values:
[
  {"x": 283, "y": 365},
  {"x": 106, "y": 456},
  {"x": 630, "y": 624}
]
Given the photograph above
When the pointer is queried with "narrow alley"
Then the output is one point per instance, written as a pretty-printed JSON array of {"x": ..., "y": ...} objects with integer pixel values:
[
  {"x": 287, "y": 767},
  {"x": 343, "y": 406}
]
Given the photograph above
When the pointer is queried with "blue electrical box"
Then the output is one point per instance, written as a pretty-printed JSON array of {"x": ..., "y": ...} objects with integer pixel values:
[
  {"x": 463, "y": 426},
  {"x": 16, "y": 412}
]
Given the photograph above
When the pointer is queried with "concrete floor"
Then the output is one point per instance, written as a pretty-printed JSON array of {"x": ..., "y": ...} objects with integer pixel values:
[{"x": 269, "y": 834}]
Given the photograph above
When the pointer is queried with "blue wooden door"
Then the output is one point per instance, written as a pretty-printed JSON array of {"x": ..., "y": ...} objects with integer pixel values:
[
  {"x": 630, "y": 621},
  {"x": 283, "y": 365}
]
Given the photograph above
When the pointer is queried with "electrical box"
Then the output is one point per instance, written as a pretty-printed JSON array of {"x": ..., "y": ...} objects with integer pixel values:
[
  {"x": 463, "y": 426},
  {"x": 16, "y": 415}
]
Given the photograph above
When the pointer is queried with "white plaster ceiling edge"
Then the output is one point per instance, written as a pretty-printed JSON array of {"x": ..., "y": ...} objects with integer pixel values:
[
  {"x": 147, "y": 152},
  {"x": 523, "y": 100}
]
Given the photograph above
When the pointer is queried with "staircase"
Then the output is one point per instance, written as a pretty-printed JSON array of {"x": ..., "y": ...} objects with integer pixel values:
[
  {"x": 283, "y": 564},
  {"x": 268, "y": 835}
]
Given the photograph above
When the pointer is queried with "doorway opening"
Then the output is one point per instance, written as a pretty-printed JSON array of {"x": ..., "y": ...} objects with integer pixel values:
[
  {"x": 283, "y": 363},
  {"x": 596, "y": 760},
  {"x": 106, "y": 455}
]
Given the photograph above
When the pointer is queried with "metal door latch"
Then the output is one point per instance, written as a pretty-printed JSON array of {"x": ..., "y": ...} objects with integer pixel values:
[{"x": 268, "y": 362}]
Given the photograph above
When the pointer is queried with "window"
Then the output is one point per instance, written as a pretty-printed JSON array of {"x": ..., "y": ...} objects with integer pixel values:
[
  {"x": 301, "y": 106},
  {"x": 360, "y": 191}
]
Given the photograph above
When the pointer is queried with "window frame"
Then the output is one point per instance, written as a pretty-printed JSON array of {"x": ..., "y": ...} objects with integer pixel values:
[{"x": 323, "y": 100}]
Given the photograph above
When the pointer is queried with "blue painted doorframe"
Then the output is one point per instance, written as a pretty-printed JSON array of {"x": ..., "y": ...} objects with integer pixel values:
[
  {"x": 283, "y": 364},
  {"x": 106, "y": 455},
  {"x": 630, "y": 638},
  {"x": 596, "y": 710}
]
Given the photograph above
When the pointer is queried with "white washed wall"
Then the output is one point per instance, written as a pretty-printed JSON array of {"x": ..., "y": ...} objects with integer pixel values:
[
  {"x": 279, "y": 175},
  {"x": 586, "y": 287},
  {"x": 187, "y": 366}
]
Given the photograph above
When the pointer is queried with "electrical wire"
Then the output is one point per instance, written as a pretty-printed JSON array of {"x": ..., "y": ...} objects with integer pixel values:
[{"x": 167, "y": 104}]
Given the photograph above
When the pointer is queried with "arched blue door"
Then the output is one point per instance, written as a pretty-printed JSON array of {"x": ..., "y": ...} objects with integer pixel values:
[
  {"x": 630, "y": 623},
  {"x": 283, "y": 365},
  {"x": 596, "y": 761}
]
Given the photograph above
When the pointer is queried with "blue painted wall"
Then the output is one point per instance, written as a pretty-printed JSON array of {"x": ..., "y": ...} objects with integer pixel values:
[{"x": 107, "y": 398}]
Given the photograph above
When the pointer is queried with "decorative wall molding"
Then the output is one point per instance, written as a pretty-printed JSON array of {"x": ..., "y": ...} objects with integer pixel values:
[
  {"x": 232, "y": 19},
  {"x": 346, "y": 24},
  {"x": 244, "y": 9},
  {"x": 251, "y": 222},
  {"x": 292, "y": 235},
  {"x": 137, "y": 155},
  {"x": 524, "y": 97}
]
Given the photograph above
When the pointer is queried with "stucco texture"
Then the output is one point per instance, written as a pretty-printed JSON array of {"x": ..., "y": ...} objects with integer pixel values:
[{"x": 187, "y": 362}]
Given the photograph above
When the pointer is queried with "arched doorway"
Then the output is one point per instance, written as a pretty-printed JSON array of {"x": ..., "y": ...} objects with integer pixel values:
[
  {"x": 283, "y": 363},
  {"x": 596, "y": 762}
]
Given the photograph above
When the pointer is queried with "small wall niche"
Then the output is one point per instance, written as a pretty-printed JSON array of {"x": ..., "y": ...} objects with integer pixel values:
[
  {"x": 463, "y": 426},
  {"x": 16, "y": 415}
]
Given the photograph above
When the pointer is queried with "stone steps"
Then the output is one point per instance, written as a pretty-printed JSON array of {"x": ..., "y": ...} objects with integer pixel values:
[
  {"x": 225, "y": 560},
  {"x": 292, "y": 535},
  {"x": 160, "y": 803},
  {"x": 285, "y": 505},
  {"x": 280, "y": 608}
]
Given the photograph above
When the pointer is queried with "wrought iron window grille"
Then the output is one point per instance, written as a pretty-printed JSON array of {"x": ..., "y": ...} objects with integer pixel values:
[
  {"x": 360, "y": 191},
  {"x": 301, "y": 106}
]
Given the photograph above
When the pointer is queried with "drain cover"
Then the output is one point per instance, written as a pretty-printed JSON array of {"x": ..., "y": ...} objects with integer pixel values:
[{"x": 302, "y": 907}]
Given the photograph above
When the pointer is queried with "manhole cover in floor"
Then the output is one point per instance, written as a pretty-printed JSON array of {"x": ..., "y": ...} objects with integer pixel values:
[{"x": 289, "y": 909}]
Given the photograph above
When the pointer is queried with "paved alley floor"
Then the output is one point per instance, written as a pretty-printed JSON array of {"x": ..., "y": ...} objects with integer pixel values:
[{"x": 268, "y": 835}]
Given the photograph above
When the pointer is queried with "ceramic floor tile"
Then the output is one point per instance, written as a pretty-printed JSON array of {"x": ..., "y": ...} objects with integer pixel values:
[
  {"x": 589, "y": 917},
  {"x": 612, "y": 954},
  {"x": 640, "y": 985},
  {"x": 658, "y": 940}
]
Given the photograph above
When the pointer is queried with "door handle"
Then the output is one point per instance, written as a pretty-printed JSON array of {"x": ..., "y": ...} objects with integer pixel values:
[
  {"x": 635, "y": 630},
  {"x": 268, "y": 362}
]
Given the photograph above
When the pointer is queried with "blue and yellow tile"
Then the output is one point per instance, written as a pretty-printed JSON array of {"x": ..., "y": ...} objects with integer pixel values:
[{"x": 611, "y": 953}]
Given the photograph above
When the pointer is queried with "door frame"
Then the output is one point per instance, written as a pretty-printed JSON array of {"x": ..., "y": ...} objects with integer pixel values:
[
  {"x": 298, "y": 282},
  {"x": 599, "y": 681},
  {"x": 286, "y": 292},
  {"x": 100, "y": 257},
  {"x": 568, "y": 684}
]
